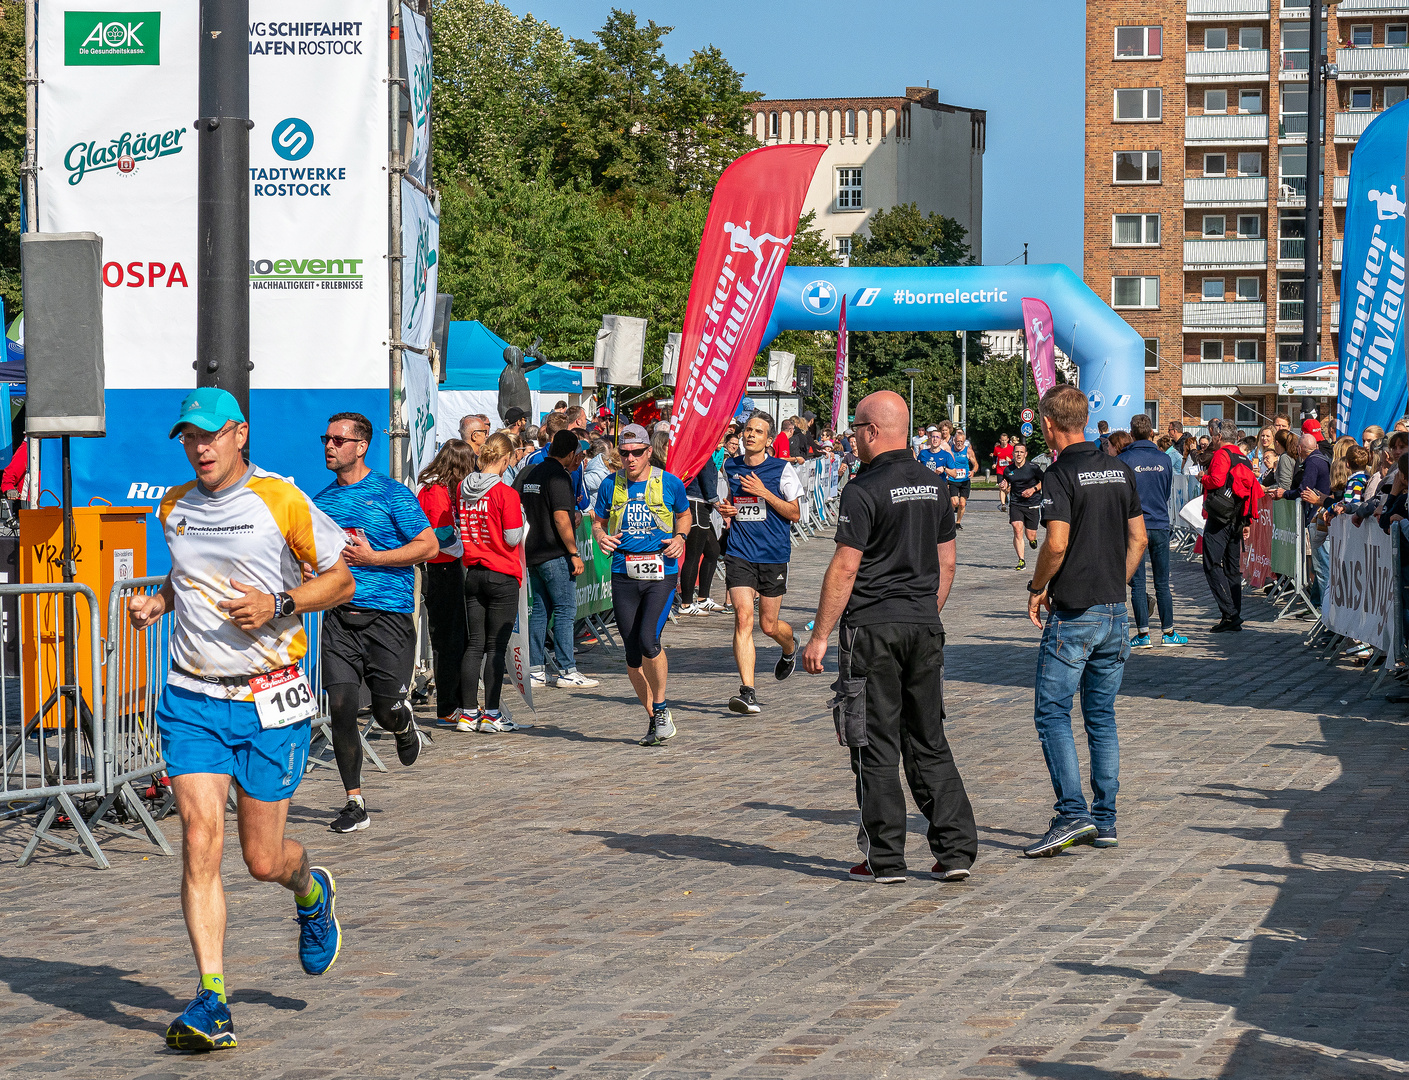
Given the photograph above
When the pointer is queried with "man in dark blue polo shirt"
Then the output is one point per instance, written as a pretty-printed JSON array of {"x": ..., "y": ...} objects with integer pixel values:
[{"x": 1154, "y": 473}]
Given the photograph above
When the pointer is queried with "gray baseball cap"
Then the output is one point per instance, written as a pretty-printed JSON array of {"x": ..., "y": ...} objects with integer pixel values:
[{"x": 634, "y": 435}]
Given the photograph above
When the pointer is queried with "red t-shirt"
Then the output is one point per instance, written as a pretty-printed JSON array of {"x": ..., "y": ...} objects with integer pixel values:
[
  {"x": 1002, "y": 454},
  {"x": 482, "y": 526},
  {"x": 781, "y": 447},
  {"x": 436, "y": 502}
]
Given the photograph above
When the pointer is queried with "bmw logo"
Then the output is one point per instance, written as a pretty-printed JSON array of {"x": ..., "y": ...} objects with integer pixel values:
[
  {"x": 819, "y": 297},
  {"x": 292, "y": 139},
  {"x": 1095, "y": 400}
]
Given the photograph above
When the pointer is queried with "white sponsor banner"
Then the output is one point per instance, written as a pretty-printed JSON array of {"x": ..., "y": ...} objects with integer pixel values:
[
  {"x": 117, "y": 156},
  {"x": 420, "y": 246},
  {"x": 418, "y": 83},
  {"x": 1360, "y": 600},
  {"x": 418, "y": 405},
  {"x": 318, "y": 193}
]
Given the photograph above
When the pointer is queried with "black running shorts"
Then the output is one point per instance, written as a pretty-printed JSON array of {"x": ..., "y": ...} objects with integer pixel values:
[
  {"x": 959, "y": 489},
  {"x": 1030, "y": 516},
  {"x": 766, "y": 579},
  {"x": 377, "y": 646}
]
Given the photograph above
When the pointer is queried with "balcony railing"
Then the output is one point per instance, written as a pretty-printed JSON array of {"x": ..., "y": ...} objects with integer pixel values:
[
  {"x": 1369, "y": 7},
  {"x": 1227, "y": 191},
  {"x": 1214, "y": 9},
  {"x": 1221, "y": 128},
  {"x": 1336, "y": 246},
  {"x": 1289, "y": 311},
  {"x": 1232, "y": 253},
  {"x": 1216, "y": 65},
  {"x": 1230, "y": 315},
  {"x": 1372, "y": 63},
  {"x": 1340, "y": 190},
  {"x": 1202, "y": 373},
  {"x": 1351, "y": 125},
  {"x": 1333, "y": 317},
  {"x": 1291, "y": 249}
]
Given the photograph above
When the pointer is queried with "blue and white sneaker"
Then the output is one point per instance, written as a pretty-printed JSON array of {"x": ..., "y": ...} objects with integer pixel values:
[
  {"x": 1061, "y": 834},
  {"x": 319, "y": 934},
  {"x": 1141, "y": 641},
  {"x": 1171, "y": 639},
  {"x": 205, "y": 1025}
]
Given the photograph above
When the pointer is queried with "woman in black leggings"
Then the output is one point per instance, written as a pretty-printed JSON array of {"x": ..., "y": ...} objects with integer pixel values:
[{"x": 701, "y": 560}]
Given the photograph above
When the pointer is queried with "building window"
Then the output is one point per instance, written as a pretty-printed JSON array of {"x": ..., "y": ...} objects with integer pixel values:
[
  {"x": 1249, "y": 226},
  {"x": 1210, "y": 410},
  {"x": 1245, "y": 413},
  {"x": 1215, "y": 225},
  {"x": 1397, "y": 34},
  {"x": 1291, "y": 233},
  {"x": 1393, "y": 95},
  {"x": 1362, "y": 98},
  {"x": 1289, "y": 350},
  {"x": 1152, "y": 354},
  {"x": 1250, "y": 37},
  {"x": 1293, "y": 110},
  {"x": 848, "y": 189},
  {"x": 773, "y": 125},
  {"x": 1245, "y": 351},
  {"x": 1135, "y": 292},
  {"x": 850, "y": 130},
  {"x": 1362, "y": 37},
  {"x": 1211, "y": 351},
  {"x": 1215, "y": 39},
  {"x": 1137, "y": 167},
  {"x": 1215, "y": 101},
  {"x": 1296, "y": 46},
  {"x": 1250, "y": 101},
  {"x": 1137, "y": 42},
  {"x": 1291, "y": 164},
  {"x": 1249, "y": 288},
  {"x": 1141, "y": 104},
  {"x": 1215, "y": 164},
  {"x": 1289, "y": 297},
  {"x": 1213, "y": 288},
  {"x": 1250, "y": 164},
  {"x": 1152, "y": 411},
  {"x": 844, "y": 246},
  {"x": 1136, "y": 230}
]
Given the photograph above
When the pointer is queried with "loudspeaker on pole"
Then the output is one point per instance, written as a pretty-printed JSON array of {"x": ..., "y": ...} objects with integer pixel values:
[{"x": 63, "y": 331}]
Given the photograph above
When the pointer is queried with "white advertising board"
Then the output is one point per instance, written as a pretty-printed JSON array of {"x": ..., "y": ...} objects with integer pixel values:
[{"x": 1360, "y": 599}]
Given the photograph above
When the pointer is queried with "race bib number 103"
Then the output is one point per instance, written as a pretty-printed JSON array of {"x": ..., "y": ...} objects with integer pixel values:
[{"x": 282, "y": 697}]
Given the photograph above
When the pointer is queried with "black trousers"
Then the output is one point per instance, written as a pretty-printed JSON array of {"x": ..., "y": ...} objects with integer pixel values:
[
  {"x": 701, "y": 556},
  {"x": 443, "y": 587},
  {"x": 491, "y": 606},
  {"x": 902, "y": 668},
  {"x": 1223, "y": 553}
]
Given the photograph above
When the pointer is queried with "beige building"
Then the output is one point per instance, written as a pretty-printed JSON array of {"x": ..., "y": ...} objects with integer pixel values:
[{"x": 884, "y": 152}]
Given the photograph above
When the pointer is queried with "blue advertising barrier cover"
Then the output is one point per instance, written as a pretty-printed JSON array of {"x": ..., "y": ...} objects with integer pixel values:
[{"x": 1373, "y": 384}]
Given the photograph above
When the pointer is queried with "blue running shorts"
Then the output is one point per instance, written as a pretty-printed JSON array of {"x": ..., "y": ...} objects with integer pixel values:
[{"x": 202, "y": 734}]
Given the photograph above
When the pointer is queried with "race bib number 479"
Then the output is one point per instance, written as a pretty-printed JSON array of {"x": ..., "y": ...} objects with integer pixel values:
[
  {"x": 282, "y": 697},
  {"x": 751, "y": 508}
]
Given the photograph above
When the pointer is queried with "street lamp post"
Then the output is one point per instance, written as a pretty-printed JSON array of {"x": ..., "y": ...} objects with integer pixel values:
[{"x": 912, "y": 372}]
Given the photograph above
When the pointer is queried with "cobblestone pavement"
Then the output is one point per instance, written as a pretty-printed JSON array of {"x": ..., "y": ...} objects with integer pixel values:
[{"x": 562, "y": 902}]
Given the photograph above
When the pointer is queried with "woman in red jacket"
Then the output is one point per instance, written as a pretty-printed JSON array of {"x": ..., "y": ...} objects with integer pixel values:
[
  {"x": 492, "y": 530},
  {"x": 443, "y": 583}
]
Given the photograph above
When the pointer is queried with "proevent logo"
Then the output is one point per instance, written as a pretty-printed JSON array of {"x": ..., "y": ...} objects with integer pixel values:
[
  {"x": 122, "y": 153},
  {"x": 112, "y": 38},
  {"x": 306, "y": 273}
]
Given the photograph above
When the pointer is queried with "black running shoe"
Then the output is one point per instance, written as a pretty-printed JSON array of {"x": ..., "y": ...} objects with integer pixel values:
[
  {"x": 352, "y": 818},
  {"x": 1105, "y": 837},
  {"x": 1032, "y": 543},
  {"x": 1061, "y": 834},
  {"x": 745, "y": 701},
  {"x": 408, "y": 743},
  {"x": 786, "y": 663}
]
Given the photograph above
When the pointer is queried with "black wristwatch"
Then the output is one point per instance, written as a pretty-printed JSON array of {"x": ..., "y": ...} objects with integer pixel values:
[
  {"x": 1035, "y": 592},
  {"x": 284, "y": 605}
]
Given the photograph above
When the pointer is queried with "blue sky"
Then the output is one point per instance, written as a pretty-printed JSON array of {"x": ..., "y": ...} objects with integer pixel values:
[{"x": 1022, "y": 60}]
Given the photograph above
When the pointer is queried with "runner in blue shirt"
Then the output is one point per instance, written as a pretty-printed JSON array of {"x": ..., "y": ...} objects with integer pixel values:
[
  {"x": 935, "y": 454},
  {"x": 764, "y": 494},
  {"x": 962, "y": 464},
  {"x": 372, "y": 638}
]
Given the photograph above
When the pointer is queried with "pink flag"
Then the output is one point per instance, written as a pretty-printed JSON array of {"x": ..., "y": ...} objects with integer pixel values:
[
  {"x": 839, "y": 383},
  {"x": 747, "y": 236},
  {"x": 1041, "y": 348}
]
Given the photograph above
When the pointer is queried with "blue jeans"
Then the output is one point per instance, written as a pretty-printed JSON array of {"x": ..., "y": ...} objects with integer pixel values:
[
  {"x": 1086, "y": 651},
  {"x": 552, "y": 588},
  {"x": 1320, "y": 565},
  {"x": 1139, "y": 599}
]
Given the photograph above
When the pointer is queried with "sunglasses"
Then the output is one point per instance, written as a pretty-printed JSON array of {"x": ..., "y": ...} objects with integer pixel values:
[
  {"x": 337, "y": 440},
  {"x": 636, "y": 453}
]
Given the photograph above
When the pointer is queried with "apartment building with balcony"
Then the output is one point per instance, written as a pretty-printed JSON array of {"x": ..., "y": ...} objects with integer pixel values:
[{"x": 1195, "y": 220}]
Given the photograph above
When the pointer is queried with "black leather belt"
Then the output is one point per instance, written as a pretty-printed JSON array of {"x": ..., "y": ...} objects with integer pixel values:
[{"x": 219, "y": 680}]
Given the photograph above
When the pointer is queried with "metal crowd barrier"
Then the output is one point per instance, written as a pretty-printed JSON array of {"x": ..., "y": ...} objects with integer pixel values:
[
  {"x": 55, "y": 747},
  {"x": 820, "y": 494}
]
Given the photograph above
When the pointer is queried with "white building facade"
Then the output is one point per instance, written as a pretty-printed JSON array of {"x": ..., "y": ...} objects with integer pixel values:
[{"x": 884, "y": 152}]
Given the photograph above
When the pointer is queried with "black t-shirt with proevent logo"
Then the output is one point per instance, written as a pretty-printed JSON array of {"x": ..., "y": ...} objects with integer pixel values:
[
  {"x": 895, "y": 512},
  {"x": 546, "y": 487},
  {"x": 1019, "y": 480},
  {"x": 1095, "y": 494}
]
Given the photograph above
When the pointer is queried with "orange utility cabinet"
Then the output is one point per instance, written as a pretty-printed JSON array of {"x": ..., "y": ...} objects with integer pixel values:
[{"x": 110, "y": 544}]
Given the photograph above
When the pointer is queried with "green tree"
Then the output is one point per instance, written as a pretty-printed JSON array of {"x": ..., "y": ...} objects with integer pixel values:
[{"x": 11, "y": 150}]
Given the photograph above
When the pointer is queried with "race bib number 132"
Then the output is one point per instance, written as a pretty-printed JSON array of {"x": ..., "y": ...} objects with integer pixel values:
[{"x": 645, "y": 567}]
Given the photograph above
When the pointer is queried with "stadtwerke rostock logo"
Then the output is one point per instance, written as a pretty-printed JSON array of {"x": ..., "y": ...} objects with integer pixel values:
[
  {"x": 112, "y": 38},
  {"x": 292, "y": 139}
]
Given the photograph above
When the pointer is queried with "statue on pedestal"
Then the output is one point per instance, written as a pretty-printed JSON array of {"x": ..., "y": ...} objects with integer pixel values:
[{"x": 513, "y": 387}]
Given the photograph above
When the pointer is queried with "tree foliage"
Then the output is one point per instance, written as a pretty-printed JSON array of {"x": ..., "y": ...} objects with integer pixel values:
[{"x": 11, "y": 150}]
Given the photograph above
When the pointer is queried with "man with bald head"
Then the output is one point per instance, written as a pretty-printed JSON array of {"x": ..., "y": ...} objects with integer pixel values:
[
  {"x": 887, "y": 583},
  {"x": 1311, "y": 483}
]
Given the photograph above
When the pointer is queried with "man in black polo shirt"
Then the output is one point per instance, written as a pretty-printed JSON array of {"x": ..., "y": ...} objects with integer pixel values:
[
  {"x": 1095, "y": 540},
  {"x": 553, "y": 562},
  {"x": 890, "y": 575}
]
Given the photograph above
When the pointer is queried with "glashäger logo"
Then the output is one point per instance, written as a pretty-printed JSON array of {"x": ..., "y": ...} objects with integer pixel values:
[{"x": 112, "y": 38}]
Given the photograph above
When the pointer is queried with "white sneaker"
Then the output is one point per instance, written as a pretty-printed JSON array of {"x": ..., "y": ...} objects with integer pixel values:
[
  {"x": 576, "y": 678},
  {"x": 498, "y": 723},
  {"x": 538, "y": 678},
  {"x": 708, "y": 606},
  {"x": 468, "y": 719},
  {"x": 691, "y": 609}
]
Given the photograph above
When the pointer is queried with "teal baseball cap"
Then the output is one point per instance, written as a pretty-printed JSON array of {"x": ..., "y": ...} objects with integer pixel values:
[{"x": 208, "y": 408}]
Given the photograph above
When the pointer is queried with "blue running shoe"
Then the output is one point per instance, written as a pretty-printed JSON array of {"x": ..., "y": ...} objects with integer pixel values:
[
  {"x": 1141, "y": 641},
  {"x": 1105, "y": 837},
  {"x": 319, "y": 935},
  {"x": 1171, "y": 639},
  {"x": 205, "y": 1025},
  {"x": 1061, "y": 834}
]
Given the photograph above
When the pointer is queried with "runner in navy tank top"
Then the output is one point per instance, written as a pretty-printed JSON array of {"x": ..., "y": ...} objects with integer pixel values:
[{"x": 764, "y": 494}]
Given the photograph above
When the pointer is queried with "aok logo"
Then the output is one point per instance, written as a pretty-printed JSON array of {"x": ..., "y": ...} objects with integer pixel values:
[{"x": 106, "y": 38}]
